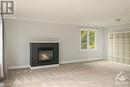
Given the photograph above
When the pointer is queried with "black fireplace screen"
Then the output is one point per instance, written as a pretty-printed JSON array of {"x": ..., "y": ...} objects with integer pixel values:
[{"x": 44, "y": 54}]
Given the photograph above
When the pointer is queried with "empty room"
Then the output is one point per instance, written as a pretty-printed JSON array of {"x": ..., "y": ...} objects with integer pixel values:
[{"x": 64, "y": 43}]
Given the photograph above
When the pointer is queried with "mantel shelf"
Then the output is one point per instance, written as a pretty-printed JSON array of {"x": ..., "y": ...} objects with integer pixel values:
[{"x": 45, "y": 42}]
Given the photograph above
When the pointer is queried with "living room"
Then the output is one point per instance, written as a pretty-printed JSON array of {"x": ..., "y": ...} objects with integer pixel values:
[{"x": 65, "y": 43}]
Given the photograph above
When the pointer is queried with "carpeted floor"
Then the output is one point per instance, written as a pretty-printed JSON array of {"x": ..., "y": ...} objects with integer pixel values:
[{"x": 85, "y": 74}]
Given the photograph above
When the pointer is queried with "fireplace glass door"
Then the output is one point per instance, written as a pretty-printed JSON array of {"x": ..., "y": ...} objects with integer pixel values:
[{"x": 45, "y": 54}]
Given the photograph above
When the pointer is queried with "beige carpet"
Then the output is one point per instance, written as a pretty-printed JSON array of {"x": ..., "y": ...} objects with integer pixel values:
[{"x": 86, "y": 74}]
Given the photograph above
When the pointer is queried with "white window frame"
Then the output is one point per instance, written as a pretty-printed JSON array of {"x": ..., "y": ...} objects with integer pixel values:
[{"x": 88, "y": 30}]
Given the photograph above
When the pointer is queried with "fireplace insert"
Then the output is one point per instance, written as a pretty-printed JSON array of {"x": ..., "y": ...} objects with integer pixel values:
[{"x": 44, "y": 54}]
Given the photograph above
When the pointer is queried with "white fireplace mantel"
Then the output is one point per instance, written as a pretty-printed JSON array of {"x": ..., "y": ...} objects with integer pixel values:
[{"x": 45, "y": 42}]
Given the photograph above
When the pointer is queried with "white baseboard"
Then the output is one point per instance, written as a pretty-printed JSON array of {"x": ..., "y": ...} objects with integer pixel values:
[
  {"x": 45, "y": 66},
  {"x": 28, "y": 66},
  {"x": 83, "y": 60},
  {"x": 48, "y": 66},
  {"x": 19, "y": 67}
]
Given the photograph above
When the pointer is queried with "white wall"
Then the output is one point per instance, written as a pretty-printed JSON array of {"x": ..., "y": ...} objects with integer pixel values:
[
  {"x": 119, "y": 28},
  {"x": 18, "y": 34}
]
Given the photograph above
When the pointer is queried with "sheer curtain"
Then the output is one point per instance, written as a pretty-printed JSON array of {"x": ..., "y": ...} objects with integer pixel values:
[
  {"x": 119, "y": 47},
  {"x": 1, "y": 49}
]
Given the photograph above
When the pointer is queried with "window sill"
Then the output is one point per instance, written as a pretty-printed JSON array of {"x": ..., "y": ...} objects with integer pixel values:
[{"x": 88, "y": 49}]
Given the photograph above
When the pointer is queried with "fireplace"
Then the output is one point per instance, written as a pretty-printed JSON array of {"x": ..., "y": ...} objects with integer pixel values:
[{"x": 44, "y": 54}]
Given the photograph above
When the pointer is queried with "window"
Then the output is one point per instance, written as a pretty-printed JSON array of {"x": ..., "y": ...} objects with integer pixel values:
[{"x": 88, "y": 39}]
